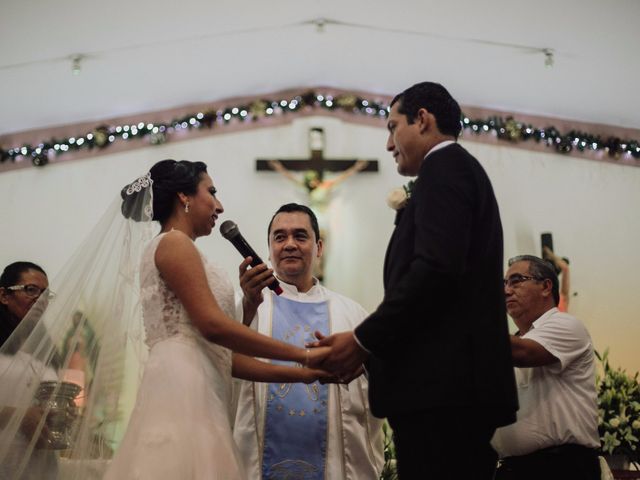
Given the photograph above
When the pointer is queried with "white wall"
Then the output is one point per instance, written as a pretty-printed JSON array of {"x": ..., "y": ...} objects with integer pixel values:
[{"x": 589, "y": 207}]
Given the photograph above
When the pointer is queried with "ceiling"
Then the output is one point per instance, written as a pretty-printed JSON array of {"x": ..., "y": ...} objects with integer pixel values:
[{"x": 152, "y": 55}]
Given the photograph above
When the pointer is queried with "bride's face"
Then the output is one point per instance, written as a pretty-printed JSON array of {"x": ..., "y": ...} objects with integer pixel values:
[{"x": 204, "y": 207}]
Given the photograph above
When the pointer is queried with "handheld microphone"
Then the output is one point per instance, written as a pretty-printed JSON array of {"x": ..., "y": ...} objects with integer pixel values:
[{"x": 230, "y": 231}]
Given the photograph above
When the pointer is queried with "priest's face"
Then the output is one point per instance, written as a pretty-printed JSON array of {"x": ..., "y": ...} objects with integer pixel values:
[{"x": 293, "y": 248}]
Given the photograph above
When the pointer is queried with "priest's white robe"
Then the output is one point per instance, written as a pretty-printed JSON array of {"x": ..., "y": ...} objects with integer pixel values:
[{"x": 354, "y": 437}]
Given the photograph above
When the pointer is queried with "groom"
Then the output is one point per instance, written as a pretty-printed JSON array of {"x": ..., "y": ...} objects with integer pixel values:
[{"x": 437, "y": 348}]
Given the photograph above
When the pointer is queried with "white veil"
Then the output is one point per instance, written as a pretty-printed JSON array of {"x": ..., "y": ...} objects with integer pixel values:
[{"x": 89, "y": 337}]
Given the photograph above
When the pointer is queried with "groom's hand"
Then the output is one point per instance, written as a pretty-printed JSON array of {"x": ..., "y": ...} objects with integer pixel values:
[
  {"x": 343, "y": 379},
  {"x": 345, "y": 357}
]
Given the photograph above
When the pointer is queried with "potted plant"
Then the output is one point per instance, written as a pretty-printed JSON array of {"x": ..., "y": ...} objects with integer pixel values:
[{"x": 618, "y": 414}]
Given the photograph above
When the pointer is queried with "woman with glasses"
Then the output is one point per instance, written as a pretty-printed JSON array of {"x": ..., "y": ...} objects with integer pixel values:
[
  {"x": 22, "y": 284},
  {"x": 163, "y": 316}
]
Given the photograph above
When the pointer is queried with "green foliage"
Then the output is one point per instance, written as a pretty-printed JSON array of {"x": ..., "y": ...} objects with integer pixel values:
[
  {"x": 618, "y": 410},
  {"x": 508, "y": 129},
  {"x": 389, "y": 472},
  {"x": 408, "y": 188}
]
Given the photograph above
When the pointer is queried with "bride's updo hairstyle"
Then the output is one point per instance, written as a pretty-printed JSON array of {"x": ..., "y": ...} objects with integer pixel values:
[{"x": 168, "y": 178}]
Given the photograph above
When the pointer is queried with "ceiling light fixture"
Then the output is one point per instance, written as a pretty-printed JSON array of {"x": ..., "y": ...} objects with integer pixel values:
[
  {"x": 548, "y": 57},
  {"x": 76, "y": 66},
  {"x": 320, "y": 23}
]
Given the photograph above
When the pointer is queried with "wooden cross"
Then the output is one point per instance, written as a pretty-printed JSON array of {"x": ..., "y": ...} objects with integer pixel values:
[{"x": 316, "y": 162}]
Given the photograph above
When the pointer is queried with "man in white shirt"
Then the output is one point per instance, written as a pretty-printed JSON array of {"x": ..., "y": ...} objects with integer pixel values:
[
  {"x": 556, "y": 432},
  {"x": 297, "y": 430}
]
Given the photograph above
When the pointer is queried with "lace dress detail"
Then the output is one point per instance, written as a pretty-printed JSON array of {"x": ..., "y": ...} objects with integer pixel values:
[
  {"x": 164, "y": 315},
  {"x": 180, "y": 426}
]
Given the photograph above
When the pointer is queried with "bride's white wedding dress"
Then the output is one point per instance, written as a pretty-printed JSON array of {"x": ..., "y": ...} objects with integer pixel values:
[{"x": 180, "y": 427}]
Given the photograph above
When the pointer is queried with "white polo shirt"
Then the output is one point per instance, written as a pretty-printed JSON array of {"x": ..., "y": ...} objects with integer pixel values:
[{"x": 558, "y": 402}]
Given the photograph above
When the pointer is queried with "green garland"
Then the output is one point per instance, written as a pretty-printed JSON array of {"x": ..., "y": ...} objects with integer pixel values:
[
  {"x": 513, "y": 131},
  {"x": 508, "y": 129}
]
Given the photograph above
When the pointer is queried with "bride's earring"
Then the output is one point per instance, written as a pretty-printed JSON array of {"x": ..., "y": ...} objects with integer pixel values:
[{"x": 186, "y": 207}]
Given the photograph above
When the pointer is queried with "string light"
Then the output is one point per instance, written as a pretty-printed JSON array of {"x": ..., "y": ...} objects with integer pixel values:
[{"x": 508, "y": 129}]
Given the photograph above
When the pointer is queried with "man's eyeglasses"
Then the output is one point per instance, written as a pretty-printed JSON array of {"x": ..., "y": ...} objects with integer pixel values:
[
  {"x": 32, "y": 291},
  {"x": 516, "y": 279}
]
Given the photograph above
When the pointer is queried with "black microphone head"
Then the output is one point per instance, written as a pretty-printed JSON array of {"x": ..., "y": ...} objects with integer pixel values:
[{"x": 229, "y": 229}]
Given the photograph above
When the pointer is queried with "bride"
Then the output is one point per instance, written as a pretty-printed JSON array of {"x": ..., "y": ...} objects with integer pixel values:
[
  {"x": 122, "y": 277},
  {"x": 180, "y": 427}
]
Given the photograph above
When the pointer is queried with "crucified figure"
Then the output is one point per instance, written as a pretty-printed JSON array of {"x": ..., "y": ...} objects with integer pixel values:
[
  {"x": 561, "y": 264},
  {"x": 319, "y": 189},
  {"x": 319, "y": 194}
]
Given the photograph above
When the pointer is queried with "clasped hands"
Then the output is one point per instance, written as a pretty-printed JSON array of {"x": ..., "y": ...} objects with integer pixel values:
[
  {"x": 334, "y": 359},
  {"x": 342, "y": 360}
]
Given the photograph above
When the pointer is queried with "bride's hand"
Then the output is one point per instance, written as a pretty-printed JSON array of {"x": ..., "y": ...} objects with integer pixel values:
[
  {"x": 310, "y": 375},
  {"x": 345, "y": 378}
]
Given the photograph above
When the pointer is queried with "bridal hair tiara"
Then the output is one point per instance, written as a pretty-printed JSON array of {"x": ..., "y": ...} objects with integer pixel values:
[
  {"x": 144, "y": 181},
  {"x": 137, "y": 199}
]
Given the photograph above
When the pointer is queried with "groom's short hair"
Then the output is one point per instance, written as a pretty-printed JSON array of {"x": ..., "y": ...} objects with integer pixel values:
[
  {"x": 437, "y": 100},
  {"x": 296, "y": 207}
]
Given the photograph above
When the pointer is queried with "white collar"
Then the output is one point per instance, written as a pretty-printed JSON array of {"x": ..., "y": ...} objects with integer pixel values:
[
  {"x": 439, "y": 146},
  {"x": 294, "y": 292},
  {"x": 544, "y": 317},
  {"x": 540, "y": 320}
]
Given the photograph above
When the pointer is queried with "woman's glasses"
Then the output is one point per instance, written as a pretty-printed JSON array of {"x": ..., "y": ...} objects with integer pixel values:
[{"x": 32, "y": 291}]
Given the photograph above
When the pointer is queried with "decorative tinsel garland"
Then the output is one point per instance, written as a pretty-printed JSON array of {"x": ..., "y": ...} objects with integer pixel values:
[{"x": 505, "y": 128}]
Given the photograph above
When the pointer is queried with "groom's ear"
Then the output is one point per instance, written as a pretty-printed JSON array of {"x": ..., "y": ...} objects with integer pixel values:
[
  {"x": 320, "y": 248},
  {"x": 424, "y": 119}
]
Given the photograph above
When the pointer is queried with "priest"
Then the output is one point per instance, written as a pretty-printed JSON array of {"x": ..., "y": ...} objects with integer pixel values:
[{"x": 294, "y": 430}]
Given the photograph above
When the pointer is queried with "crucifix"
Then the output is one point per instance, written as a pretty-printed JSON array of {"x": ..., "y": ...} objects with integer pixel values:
[
  {"x": 313, "y": 181},
  {"x": 316, "y": 163}
]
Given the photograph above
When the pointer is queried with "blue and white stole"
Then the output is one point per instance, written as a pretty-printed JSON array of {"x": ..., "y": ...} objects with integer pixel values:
[{"x": 295, "y": 427}]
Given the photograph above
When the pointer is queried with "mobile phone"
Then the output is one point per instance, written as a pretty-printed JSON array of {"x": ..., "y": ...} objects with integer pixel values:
[{"x": 546, "y": 240}]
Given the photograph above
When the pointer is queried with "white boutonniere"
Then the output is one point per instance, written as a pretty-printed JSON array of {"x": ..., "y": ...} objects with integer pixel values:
[{"x": 399, "y": 197}]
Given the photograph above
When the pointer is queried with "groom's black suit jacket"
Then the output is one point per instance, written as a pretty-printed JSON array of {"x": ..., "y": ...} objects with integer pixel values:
[{"x": 439, "y": 339}]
